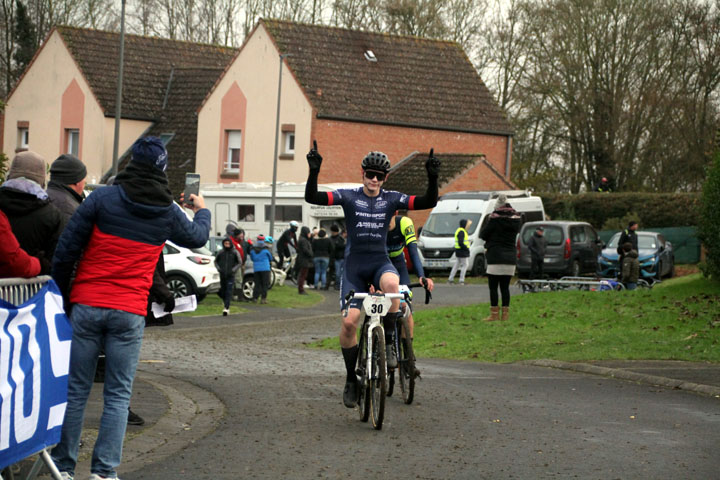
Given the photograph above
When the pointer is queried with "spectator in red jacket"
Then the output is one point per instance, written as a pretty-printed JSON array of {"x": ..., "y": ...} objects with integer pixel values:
[{"x": 14, "y": 261}]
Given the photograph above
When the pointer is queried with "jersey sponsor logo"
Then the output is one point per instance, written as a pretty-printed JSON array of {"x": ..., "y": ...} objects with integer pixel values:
[
  {"x": 379, "y": 203},
  {"x": 362, "y": 203},
  {"x": 403, "y": 198},
  {"x": 370, "y": 215},
  {"x": 374, "y": 225}
]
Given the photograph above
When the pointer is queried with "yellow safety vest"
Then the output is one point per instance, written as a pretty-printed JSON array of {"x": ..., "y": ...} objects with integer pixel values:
[{"x": 466, "y": 242}]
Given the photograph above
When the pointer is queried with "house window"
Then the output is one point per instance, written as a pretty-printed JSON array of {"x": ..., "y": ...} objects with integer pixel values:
[
  {"x": 72, "y": 137},
  {"x": 289, "y": 142},
  {"x": 284, "y": 213},
  {"x": 246, "y": 213},
  {"x": 234, "y": 142},
  {"x": 23, "y": 137}
]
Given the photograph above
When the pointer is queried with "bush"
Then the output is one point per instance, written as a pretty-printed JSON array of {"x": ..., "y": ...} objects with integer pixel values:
[
  {"x": 709, "y": 225},
  {"x": 654, "y": 210}
]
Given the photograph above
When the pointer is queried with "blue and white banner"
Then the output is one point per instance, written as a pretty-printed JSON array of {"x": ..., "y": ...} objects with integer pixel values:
[{"x": 34, "y": 360}]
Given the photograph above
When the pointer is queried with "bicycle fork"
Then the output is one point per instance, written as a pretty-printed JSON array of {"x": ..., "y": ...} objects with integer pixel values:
[{"x": 374, "y": 324}]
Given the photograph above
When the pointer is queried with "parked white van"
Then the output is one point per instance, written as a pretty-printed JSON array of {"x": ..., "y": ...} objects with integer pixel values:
[{"x": 437, "y": 237}]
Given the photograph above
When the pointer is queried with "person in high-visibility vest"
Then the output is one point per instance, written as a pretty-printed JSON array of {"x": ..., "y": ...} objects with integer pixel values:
[{"x": 462, "y": 251}]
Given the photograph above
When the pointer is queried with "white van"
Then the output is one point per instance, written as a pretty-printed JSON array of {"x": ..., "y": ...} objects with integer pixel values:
[
  {"x": 437, "y": 237},
  {"x": 248, "y": 205}
]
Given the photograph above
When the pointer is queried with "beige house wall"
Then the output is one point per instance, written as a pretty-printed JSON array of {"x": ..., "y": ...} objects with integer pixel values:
[
  {"x": 255, "y": 71},
  {"x": 37, "y": 99}
]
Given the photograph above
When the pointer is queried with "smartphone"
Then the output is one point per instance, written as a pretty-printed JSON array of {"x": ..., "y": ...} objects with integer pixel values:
[{"x": 192, "y": 186}]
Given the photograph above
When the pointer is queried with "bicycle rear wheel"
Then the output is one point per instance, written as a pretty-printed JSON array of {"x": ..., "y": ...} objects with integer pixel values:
[
  {"x": 391, "y": 383},
  {"x": 406, "y": 370},
  {"x": 378, "y": 378}
]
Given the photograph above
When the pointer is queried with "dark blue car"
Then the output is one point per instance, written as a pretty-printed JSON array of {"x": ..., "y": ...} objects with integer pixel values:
[{"x": 656, "y": 256}]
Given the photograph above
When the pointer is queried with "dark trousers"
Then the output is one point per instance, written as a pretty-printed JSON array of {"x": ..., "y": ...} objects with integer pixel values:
[
  {"x": 301, "y": 278},
  {"x": 262, "y": 282},
  {"x": 226, "y": 288},
  {"x": 502, "y": 281},
  {"x": 536, "y": 268}
]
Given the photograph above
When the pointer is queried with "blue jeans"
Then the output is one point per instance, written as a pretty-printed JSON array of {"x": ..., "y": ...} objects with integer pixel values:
[
  {"x": 120, "y": 333},
  {"x": 339, "y": 263},
  {"x": 321, "y": 266}
]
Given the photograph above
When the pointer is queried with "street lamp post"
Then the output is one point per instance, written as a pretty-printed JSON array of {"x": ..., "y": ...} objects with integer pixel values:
[
  {"x": 118, "y": 97},
  {"x": 275, "y": 157}
]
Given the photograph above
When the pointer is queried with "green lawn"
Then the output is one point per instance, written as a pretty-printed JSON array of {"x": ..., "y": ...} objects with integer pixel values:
[
  {"x": 280, "y": 297},
  {"x": 676, "y": 320}
]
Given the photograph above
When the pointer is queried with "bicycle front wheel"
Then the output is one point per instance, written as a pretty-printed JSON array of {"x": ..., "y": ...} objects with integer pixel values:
[
  {"x": 406, "y": 370},
  {"x": 378, "y": 378},
  {"x": 363, "y": 394}
]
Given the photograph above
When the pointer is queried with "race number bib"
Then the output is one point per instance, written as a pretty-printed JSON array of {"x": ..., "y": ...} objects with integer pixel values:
[{"x": 376, "y": 305}]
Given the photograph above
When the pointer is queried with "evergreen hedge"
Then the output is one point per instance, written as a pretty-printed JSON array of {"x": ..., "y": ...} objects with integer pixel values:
[
  {"x": 709, "y": 225},
  {"x": 606, "y": 211}
]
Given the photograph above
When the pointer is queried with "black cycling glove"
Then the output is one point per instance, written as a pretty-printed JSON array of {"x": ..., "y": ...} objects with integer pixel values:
[
  {"x": 313, "y": 157},
  {"x": 169, "y": 304},
  {"x": 432, "y": 164}
]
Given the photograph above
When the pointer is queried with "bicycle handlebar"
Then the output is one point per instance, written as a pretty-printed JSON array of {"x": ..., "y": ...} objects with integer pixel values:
[{"x": 351, "y": 294}]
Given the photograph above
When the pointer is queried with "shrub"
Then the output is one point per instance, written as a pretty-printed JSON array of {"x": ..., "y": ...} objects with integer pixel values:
[{"x": 709, "y": 225}]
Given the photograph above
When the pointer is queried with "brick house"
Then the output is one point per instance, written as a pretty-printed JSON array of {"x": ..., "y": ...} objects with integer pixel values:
[{"x": 216, "y": 107}]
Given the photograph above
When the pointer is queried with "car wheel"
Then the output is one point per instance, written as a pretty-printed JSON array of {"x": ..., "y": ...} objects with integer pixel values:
[
  {"x": 179, "y": 286},
  {"x": 575, "y": 269},
  {"x": 478, "y": 266},
  {"x": 248, "y": 286}
]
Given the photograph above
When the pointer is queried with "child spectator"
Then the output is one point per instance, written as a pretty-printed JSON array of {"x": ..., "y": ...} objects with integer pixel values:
[
  {"x": 228, "y": 261},
  {"x": 630, "y": 267},
  {"x": 262, "y": 259}
]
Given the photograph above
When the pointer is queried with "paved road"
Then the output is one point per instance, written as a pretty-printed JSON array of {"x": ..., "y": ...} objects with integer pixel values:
[{"x": 249, "y": 400}]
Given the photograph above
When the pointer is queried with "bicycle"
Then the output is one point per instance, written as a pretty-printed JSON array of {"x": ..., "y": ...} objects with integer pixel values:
[
  {"x": 371, "y": 367},
  {"x": 404, "y": 348}
]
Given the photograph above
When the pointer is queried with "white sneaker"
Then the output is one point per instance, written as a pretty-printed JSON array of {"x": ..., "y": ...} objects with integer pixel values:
[
  {"x": 65, "y": 476},
  {"x": 225, "y": 312},
  {"x": 95, "y": 476}
]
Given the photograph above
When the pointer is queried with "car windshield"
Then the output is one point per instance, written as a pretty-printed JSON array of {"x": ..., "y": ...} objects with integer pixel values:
[
  {"x": 445, "y": 224},
  {"x": 553, "y": 234},
  {"x": 201, "y": 251},
  {"x": 644, "y": 241}
]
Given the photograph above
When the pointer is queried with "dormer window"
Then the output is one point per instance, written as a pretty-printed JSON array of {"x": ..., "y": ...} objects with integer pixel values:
[{"x": 370, "y": 56}]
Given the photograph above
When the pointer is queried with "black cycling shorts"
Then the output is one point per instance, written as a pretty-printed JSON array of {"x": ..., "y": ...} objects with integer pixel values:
[{"x": 359, "y": 272}]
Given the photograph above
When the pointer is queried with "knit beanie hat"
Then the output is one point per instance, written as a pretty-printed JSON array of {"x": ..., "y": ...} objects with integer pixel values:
[
  {"x": 150, "y": 151},
  {"x": 501, "y": 201},
  {"x": 29, "y": 165},
  {"x": 67, "y": 169}
]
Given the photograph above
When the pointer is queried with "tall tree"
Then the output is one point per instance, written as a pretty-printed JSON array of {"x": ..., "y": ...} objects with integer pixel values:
[{"x": 25, "y": 39}]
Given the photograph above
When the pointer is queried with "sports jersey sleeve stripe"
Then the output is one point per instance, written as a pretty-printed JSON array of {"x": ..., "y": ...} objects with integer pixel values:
[
  {"x": 330, "y": 198},
  {"x": 411, "y": 202}
]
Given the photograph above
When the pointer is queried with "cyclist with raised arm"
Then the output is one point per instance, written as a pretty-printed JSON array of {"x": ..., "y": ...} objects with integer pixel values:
[
  {"x": 368, "y": 210},
  {"x": 401, "y": 234}
]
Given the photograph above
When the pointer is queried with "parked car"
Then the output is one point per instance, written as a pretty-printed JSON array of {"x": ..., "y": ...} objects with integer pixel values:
[
  {"x": 190, "y": 271},
  {"x": 572, "y": 248},
  {"x": 655, "y": 254}
]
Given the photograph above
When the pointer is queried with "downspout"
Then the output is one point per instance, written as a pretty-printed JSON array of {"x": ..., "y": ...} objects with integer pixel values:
[{"x": 507, "y": 157}]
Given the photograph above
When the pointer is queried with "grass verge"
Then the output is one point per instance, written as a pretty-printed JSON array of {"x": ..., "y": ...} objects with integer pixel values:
[
  {"x": 676, "y": 320},
  {"x": 279, "y": 297}
]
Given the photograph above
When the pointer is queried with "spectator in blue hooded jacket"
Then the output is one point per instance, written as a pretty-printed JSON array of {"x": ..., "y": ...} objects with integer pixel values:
[{"x": 262, "y": 259}]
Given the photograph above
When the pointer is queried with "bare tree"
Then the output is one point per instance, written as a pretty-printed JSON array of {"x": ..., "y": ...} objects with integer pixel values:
[{"x": 421, "y": 18}]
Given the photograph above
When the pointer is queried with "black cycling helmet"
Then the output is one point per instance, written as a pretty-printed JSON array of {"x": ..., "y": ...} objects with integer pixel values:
[{"x": 376, "y": 161}]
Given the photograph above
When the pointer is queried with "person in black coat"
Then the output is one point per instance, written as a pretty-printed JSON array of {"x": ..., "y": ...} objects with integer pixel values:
[
  {"x": 67, "y": 184},
  {"x": 323, "y": 250},
  {"x": 339, "y": 253},
  {"x": 627, "y": 236},
  {"x": 537, "y": 246},
  {"x": 34, "y": 220},
  {"x": 499, "y": 235},
  {"x": 304, "y": 258}
]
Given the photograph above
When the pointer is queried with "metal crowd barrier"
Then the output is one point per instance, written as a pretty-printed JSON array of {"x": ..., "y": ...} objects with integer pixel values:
[{"x": 18, "y": 291}]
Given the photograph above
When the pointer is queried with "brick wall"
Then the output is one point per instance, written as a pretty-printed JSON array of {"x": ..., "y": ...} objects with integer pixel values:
[{"x": 344, "y": 144}]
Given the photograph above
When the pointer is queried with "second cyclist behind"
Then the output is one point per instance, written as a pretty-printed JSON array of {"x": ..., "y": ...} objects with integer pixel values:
[
  {"x": 401, "y": 234},
  {"x": 368, "y": 210}
]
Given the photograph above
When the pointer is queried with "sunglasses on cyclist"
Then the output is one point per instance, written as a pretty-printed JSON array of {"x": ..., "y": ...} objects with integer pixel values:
[{"x": 369, "y": 174}]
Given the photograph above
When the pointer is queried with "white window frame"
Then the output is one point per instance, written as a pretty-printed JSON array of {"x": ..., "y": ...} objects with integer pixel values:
[
  {"x": 234, "y": 143},
  {"x": 288, "y": 145},
  {"x": 23, "y": 138},
  {"x": 73, "y": 141}
]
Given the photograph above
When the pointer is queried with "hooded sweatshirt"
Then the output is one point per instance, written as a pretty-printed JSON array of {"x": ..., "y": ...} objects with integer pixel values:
[{"x": 261, "y": 257}]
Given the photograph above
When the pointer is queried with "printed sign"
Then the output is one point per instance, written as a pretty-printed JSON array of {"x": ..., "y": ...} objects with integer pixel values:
[{"x": 34, "y": 361}]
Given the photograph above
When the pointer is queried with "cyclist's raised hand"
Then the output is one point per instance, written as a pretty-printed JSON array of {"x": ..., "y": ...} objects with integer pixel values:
[
  {"x": 427, "y": 283},
  {"x": 432, "y": 165},
  {"x": 313, "y": 157}
]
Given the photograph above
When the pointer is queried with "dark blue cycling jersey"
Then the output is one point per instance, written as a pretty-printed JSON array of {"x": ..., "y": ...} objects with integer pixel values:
[{"x": 367, "y": 218}]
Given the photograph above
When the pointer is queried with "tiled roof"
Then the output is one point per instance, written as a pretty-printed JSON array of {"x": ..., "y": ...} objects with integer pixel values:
[
  {"x": 164, "y": 81},
  {"x": 409, "y": 175},
  {"x": 148, "y": 62},
  {"x": 414, "y": 82}
]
